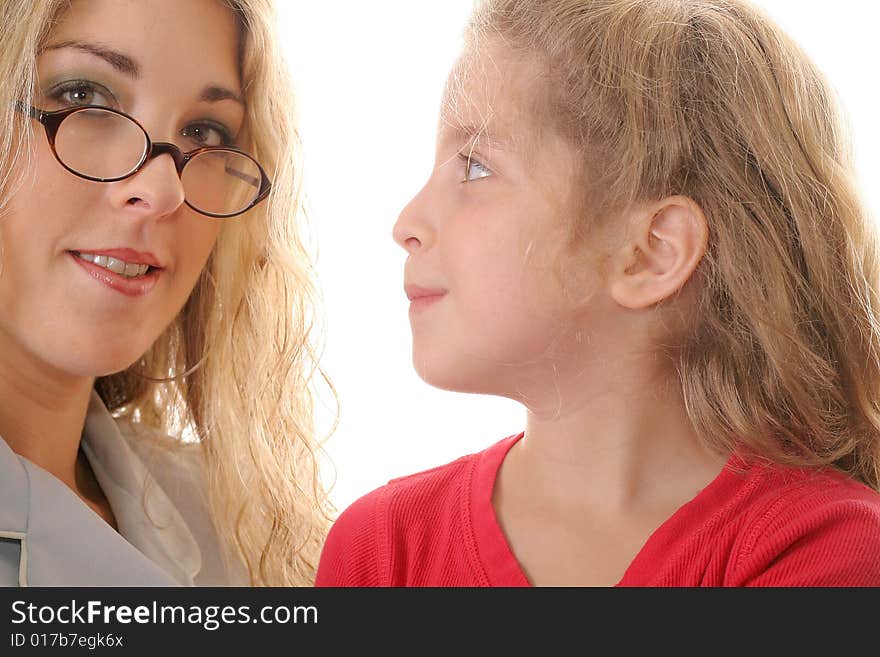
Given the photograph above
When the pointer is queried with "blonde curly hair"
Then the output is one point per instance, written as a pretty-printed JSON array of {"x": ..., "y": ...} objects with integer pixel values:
[{"x": 235, "y": 372}]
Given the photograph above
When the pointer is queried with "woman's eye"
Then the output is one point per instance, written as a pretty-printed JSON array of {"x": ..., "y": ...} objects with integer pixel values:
[
  {"x": 474, "y": 169},
  {"x": 81, "y": 92},
  {"x": 204, "y": 134}
]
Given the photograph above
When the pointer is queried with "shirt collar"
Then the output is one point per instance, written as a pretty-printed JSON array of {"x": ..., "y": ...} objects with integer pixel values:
[
  {"x": 65, "y": 543},
  {"x": 144, "y": 513}
]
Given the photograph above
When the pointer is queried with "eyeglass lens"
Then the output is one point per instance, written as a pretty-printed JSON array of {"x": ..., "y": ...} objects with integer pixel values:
[{"x": 105, "y": 145}]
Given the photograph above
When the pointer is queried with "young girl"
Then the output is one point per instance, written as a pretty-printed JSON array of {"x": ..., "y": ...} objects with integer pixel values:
[
  {"x": 154, "y": 401},
  {"x": 641, "y": 225}
]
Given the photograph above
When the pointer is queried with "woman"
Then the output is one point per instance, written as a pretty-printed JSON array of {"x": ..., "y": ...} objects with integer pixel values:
[{"x": 140, "y": 283}]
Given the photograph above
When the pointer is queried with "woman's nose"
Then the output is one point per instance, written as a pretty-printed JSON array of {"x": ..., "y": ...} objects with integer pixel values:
[{"x": 155, "y": 190}]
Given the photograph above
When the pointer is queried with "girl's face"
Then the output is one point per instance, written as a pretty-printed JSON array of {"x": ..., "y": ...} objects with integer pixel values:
[
  {"x": 488, "y": 242},
  {"x": 173, "y": 66}
]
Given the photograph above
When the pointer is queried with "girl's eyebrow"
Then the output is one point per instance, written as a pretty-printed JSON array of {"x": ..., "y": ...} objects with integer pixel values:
[
  {"x": 126, "y": 65},
  {"x": 122, "y": 63},
  {"x": 474, "y": 134}
]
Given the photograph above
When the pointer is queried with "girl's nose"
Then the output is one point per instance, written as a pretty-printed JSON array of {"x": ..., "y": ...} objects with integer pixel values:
[{"x": 412, "y": 231}]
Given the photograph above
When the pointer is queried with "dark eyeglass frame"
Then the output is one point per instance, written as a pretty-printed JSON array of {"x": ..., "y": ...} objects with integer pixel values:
[{"x": 52, "y": 122}]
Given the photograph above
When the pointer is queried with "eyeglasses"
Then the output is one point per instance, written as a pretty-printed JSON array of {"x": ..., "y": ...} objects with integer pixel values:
[{"x": 105, "y": 145}]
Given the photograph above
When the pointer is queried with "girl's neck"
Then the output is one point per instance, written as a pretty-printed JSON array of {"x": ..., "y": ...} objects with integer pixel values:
[
  {"x": 42, "y": 411},
  {"x": 623, "y": 445}
]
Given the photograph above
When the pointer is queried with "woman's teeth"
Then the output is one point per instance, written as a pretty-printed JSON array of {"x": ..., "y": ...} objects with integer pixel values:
[{"x": 127, "y": 269}]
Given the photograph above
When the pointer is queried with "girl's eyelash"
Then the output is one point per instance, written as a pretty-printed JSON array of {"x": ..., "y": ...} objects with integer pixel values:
[{"x": 469, "y": 160}]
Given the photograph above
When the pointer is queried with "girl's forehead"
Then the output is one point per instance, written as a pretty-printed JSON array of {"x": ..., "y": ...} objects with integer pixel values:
[{"x": 492, "y": 93}]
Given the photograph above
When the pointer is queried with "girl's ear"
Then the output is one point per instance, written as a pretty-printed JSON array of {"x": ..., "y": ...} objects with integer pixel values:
[{"x": 665, "y": 243}]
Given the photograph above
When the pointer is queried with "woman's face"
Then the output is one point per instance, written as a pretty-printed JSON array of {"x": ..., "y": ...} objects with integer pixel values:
[{"x": 173, "y": 66}]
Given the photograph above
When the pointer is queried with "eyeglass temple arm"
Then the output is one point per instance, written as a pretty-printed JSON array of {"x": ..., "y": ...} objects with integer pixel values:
[
  {"x": 235, "y": 173},
  {"x": 30, "y": 110}
]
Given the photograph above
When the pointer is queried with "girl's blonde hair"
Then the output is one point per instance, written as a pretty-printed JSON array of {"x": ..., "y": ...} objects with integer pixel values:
[
  {"x": 236, "y": 368},
  {"x": 710, "y": 99}
]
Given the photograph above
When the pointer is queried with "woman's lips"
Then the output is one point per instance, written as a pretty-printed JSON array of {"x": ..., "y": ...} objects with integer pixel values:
[
  {"x": 128, "y": 255},
  {"x": 132, "y": 287}
]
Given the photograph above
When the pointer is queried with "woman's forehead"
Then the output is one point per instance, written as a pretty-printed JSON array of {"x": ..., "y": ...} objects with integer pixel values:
[{"x": 196, "y": 36}]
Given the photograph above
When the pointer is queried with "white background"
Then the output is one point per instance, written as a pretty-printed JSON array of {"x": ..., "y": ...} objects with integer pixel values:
[{"x": 369, "y": 77}]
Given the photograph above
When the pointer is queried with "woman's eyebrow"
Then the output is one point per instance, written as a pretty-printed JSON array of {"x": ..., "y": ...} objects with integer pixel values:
[
  {"x": 214, "y": 93},
  {"x": 122, "y": 63},
  {"x": 125, "y": 64}
]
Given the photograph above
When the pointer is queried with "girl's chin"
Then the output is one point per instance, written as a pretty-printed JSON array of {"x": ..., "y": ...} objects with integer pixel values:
[{"x": 454, "y": 379}]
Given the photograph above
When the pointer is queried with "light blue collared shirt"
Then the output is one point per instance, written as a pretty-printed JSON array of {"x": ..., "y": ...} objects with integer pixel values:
[{"x": 50, "y": 537}]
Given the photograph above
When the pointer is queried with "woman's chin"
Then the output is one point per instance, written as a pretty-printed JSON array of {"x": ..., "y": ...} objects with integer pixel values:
[{"x": 98, "y": 365}]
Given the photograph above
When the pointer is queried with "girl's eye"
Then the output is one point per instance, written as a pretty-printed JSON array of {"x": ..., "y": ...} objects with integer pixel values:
[
  {"x": 474, "y": 169},
  {"x": 75, "y": 93},
  {"x": 207, "y": 133}
]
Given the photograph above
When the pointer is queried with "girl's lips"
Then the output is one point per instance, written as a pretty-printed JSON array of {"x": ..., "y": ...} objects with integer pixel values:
[
  {"x": 422, "y": 297},
  {"x": 420, "y": 303},
  {"x": 132, "y": 287},
  {"x": 414, "y": 292}
]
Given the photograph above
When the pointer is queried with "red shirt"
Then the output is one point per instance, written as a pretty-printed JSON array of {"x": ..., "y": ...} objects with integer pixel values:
[{"x": 753, "y": 525}]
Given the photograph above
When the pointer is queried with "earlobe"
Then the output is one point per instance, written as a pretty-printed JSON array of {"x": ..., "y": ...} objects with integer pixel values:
[{"x": 664, "y": 246}]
